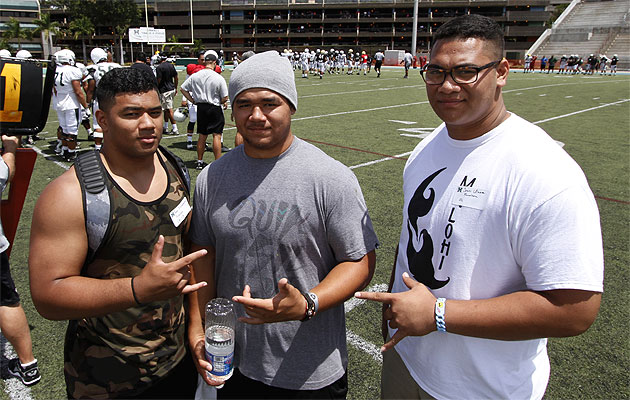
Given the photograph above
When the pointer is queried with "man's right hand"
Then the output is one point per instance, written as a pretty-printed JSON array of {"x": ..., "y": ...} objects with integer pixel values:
[
  {"x": 198, "y": 350},
  {"x": 159, "y": 280}
]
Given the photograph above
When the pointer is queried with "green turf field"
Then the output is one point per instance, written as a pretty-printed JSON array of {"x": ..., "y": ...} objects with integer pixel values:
[{"x": 371, "y": 125}]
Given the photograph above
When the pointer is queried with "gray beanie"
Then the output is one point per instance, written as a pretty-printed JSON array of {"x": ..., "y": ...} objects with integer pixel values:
[{"x": 266, "y": 70}]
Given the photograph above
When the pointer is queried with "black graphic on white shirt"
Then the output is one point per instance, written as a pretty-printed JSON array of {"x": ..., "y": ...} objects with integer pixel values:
[{"x": 420, "y": 261}]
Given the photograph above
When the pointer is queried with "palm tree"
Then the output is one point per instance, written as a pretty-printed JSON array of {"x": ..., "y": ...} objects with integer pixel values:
[
  {"x": 197, "y": 47},
  {"x": 15, "y": 31},
  {"x": 82, "y": 27},
  {"x": 46, "y": 28}
]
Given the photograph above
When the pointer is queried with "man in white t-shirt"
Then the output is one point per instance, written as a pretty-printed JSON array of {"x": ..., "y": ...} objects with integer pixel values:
[
  {"x": 208, "y": 91},
  {"x": 500, "y": 245}
]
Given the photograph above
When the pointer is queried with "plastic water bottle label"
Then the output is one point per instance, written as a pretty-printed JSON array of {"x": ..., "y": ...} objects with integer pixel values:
[{"x": 221, "y": 365}]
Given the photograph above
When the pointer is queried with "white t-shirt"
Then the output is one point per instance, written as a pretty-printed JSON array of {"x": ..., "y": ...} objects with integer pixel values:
[
  {"x": 64, "y": 97},
  {"x": 206, "y": 86},
  {"x": 504, "y": 212},
  {"x": 408, "y": 59}
]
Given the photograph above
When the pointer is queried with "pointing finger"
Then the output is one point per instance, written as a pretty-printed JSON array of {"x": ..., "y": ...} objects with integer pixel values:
[
  {"x": 188, "y": 259},
  {"x": 375, "y": 296},
  {"x": 193, "y": 288}
]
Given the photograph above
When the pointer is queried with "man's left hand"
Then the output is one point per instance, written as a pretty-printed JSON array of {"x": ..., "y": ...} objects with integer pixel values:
[{"x": 287, "y": 305}]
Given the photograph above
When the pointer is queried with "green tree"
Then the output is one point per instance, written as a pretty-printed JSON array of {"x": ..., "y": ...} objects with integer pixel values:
[
  {"x": 558, "y": 9},
  {"x": 46, "y": 27},
  {"x": 82, "y": 27},
  {"x": 119, "y": 15},
  {"x": 197, "y": 47},
  {"x": 4, "y": 43},
  {"x": 15, "y": 31},
  {"x": 173, "y": 48}
]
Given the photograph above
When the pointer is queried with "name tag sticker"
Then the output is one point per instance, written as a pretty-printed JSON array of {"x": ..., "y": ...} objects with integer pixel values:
[
  {"x": 470, "y": 197},
  {"x": 179, "y": 213}
]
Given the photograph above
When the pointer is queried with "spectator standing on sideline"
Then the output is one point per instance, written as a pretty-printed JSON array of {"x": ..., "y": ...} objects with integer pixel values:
[
  {"x": 123, "y": 290},
  {"x": 288, "y": 237},
  {"x": 167, "y": 84},
  {"x": 501, "y": 242},
  {"x": 208, "y": 91},
  {"x": 543, "y": 63},
  {"x": 13, "y": 323}
]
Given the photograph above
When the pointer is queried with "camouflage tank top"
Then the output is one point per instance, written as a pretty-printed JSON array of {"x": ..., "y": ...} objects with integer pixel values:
[{"x": 123, "y": 353}]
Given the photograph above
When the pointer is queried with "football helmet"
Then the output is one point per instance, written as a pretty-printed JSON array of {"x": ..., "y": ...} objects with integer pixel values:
[
  {"x": 23, "y": 54},
  {"x": 180, "y": 114},
  {"x": 97, "y": 55}
]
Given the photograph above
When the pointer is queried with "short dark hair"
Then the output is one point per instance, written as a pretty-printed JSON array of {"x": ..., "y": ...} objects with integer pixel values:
[
  {"x": 472, "y": 26},
  {"x": 141, "y": 56},
  {"x": 122, "y": 81}
]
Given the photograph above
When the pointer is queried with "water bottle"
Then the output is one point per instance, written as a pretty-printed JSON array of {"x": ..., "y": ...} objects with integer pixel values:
[{"x": 220, "y": 323}]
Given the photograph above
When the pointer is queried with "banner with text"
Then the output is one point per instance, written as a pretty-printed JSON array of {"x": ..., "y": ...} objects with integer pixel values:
[{"x": 147, "y": 35}]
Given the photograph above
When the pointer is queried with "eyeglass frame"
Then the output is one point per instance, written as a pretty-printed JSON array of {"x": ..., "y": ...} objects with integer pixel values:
[{"x": 450, "y": 72}]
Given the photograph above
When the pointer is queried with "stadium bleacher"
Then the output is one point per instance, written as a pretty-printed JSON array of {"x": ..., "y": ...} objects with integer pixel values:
[{"x": 591, "y": 27}]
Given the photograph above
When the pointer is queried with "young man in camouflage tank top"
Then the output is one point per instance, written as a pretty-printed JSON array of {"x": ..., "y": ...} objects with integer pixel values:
[{"x": 126, "y": 336}]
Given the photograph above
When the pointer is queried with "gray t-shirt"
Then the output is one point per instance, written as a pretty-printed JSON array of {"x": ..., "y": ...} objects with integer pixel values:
[
  {"x": 206, "y": 86},
  {"x": 297, "y": 216}
]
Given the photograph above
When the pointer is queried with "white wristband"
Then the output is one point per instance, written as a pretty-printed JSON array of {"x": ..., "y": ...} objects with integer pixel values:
[{"x": 440, "y": 308}]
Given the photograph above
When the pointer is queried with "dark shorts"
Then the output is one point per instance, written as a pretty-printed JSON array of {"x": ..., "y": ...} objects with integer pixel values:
[
  {"x": 180, "y": 383},
  {"x": 209, "y": 119},
  {"x": 9, "y": 296},
  {"x": 241, "y": 387},
  {"x": 378, "y": 64}
]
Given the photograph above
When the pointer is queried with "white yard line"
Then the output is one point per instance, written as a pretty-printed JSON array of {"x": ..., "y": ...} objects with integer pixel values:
[
  {"x": 360, "y": 91},
  {"x": 361, "y": 344},
  {"x": 357, "y": 341},
  {"x": 580, "y": 112},
  {"x": 365, "y": 164}
]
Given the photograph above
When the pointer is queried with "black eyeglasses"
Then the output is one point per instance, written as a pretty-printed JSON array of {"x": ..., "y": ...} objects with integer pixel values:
[{"x": 461, "y": 75}]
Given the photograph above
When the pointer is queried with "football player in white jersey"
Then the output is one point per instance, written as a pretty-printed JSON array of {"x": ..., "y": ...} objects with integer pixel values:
[
  {"x": 68, "y": 97},
  {"x": 304, "y": 59},
  {"x": 101, "y": 67},
  {"x": 88, "y": 87}
]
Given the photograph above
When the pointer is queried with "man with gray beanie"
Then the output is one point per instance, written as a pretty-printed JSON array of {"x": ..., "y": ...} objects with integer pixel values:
[
  {"x": 289, "y": 239},
  {"x": 208, "y": 90}
]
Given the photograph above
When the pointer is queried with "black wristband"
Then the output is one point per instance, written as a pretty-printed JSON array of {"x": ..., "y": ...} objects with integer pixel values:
[{"x": 133, "y": 291}]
